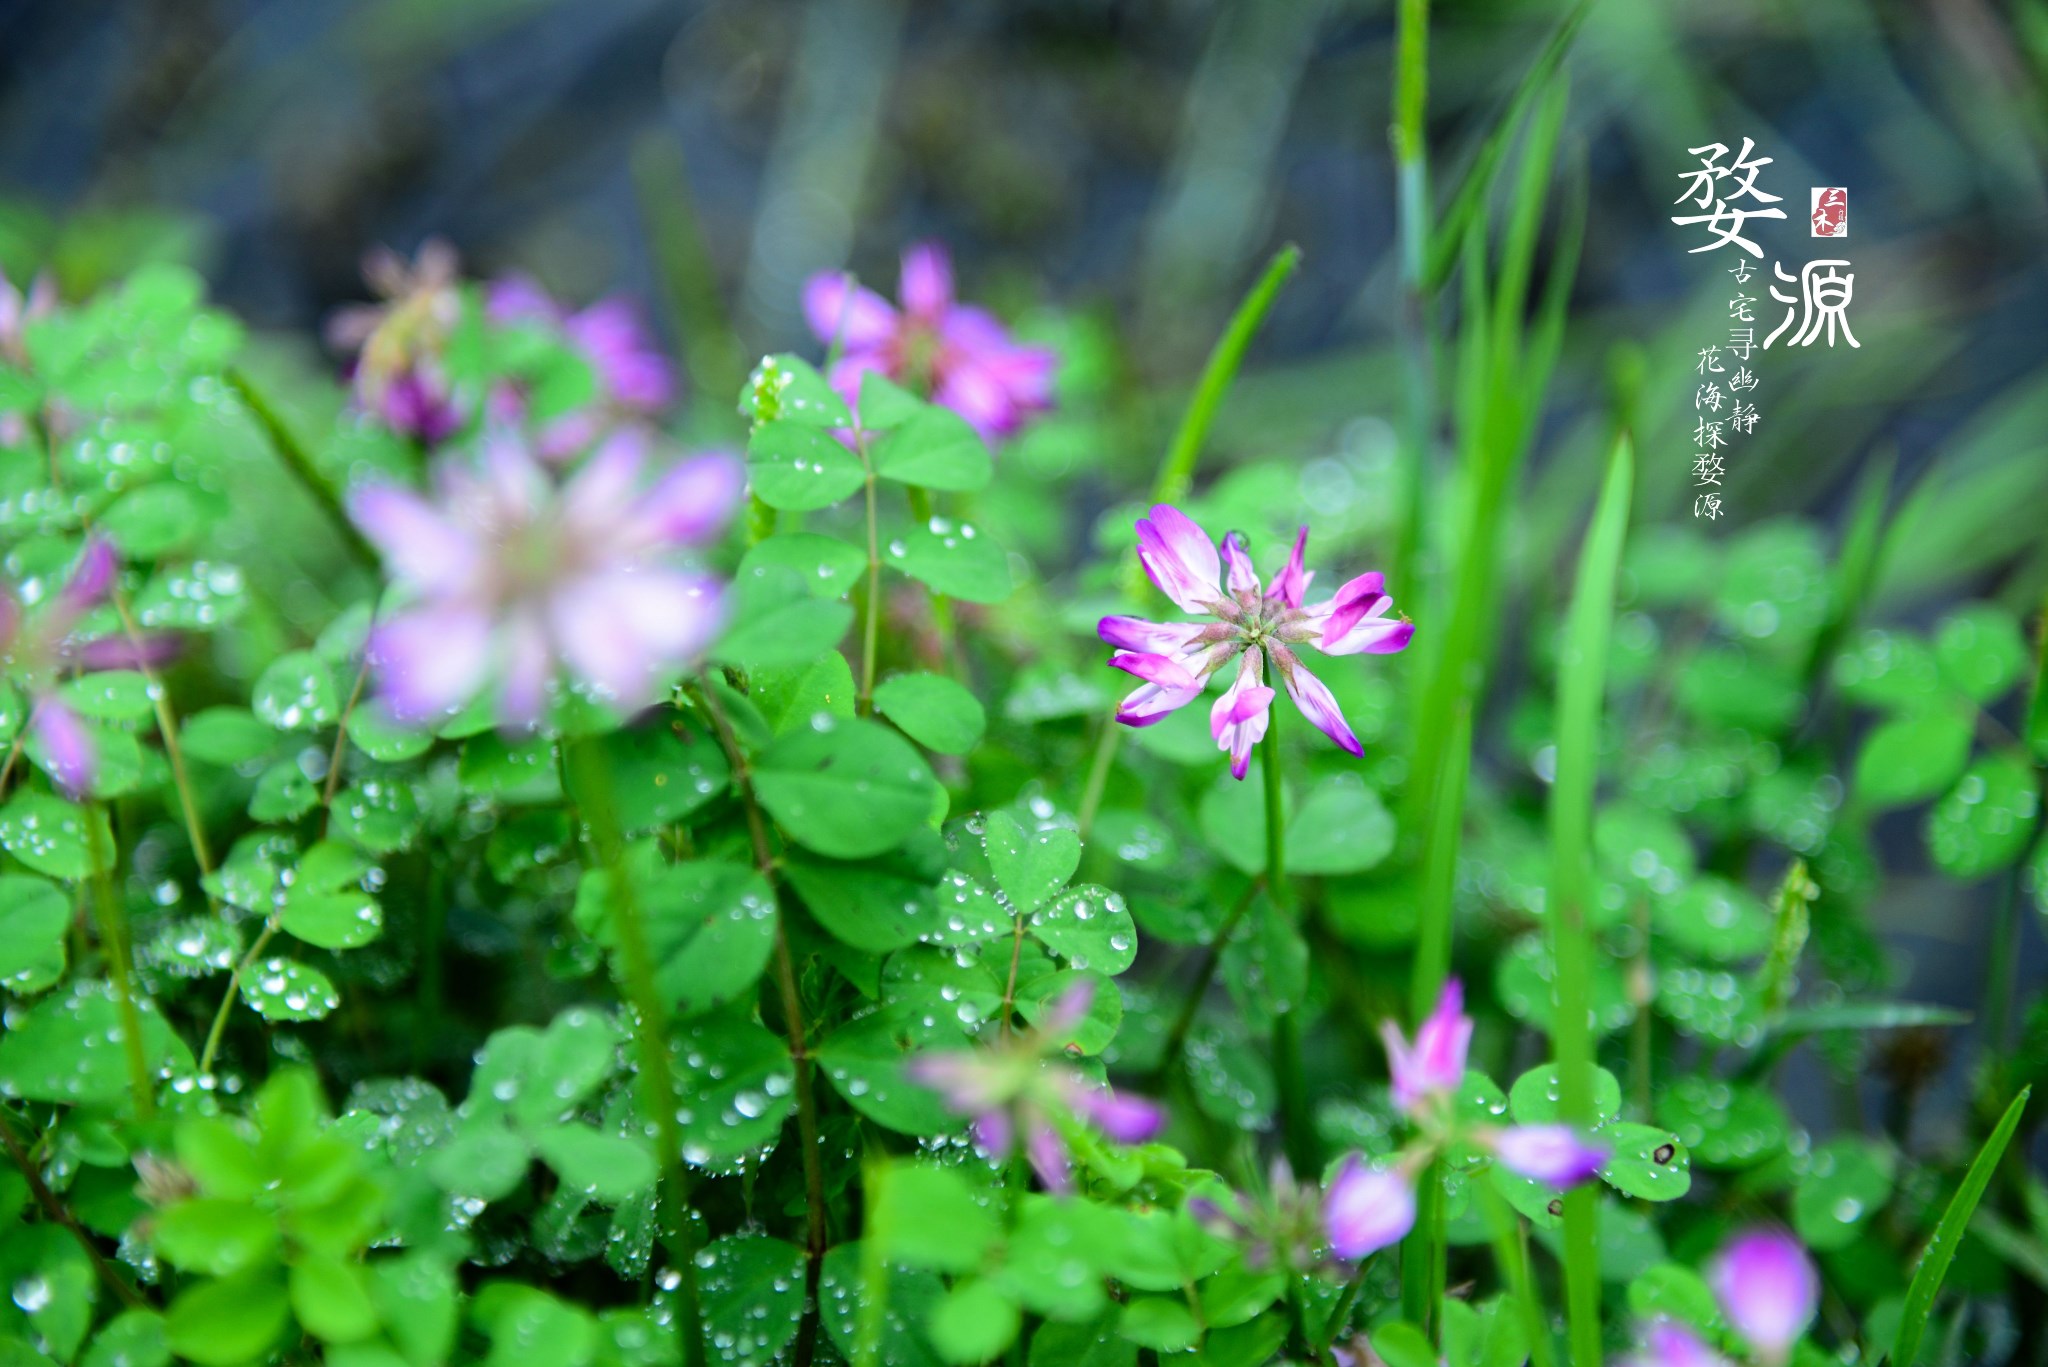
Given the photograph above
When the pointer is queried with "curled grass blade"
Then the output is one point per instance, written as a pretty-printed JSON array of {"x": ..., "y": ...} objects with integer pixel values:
[{"x": 1941, "y": 1249}]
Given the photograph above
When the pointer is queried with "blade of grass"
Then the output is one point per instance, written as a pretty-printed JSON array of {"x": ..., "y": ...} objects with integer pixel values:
[
  {"x": 689, "y": 280},
  {"x": 1941, "y": 1249},
  {"x": 1418, "y": 310},
  {"x": 1581, "y": 690},
  {"x": 1467, "y": 200}
]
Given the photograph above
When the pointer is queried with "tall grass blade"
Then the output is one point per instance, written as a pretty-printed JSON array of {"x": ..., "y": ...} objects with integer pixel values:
[
  {"x": 1941, "y": 1249},
  {"x": 1581, "y": 689}
]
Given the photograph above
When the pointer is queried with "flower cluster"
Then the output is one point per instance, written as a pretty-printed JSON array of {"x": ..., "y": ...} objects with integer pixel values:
[
  {"x": 954, "y": 354},
  {"x": 1367, "y": 1207},
  {"x": 1018, "y": 1092},
  {"x": 516, "y": 573},
  {"x": 1766, "y": 1287},
  {"x": 39, "y": 648},
  {"x": 1250, "y": 624},
  {"x": 399, "y": 344}
]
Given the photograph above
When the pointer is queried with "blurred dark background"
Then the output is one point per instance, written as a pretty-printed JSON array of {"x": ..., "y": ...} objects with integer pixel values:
[{"x": 1129, "y": 166}]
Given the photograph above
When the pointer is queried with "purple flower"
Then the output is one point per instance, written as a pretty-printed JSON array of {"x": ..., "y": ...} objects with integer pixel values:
[
  {"x": 515, "y": 576},
  {"x": 1020, "y": 1089},
  {"x": 635, "y": 381},
  {"x": 1365, "y": 1209},
  {"x": 1434, "y": 1066},
  {"x": 1249, "y": 626},
  {"x": 18, "y": 310},
  {"x": 399, "y": 344},
  {"x": 1552, "y": 1154},
  {"x": 39, "y": 650},
  {"x": 955, "y": 354},
  {"x": 1767, "y": 1288},
  {"x": 1669, "y": 1344}
]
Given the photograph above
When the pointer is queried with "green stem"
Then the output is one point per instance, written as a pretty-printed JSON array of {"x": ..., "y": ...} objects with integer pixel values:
[
  {"x": 1512, "y": 1256},
  {"x": 658, "y": 1099},
  {"x": 872, "y": 626},
  {"x": 815, "y": 1236},
  {"x": 1435, "y": 930},
  {"x": 1340, "y": 1314},
  {"x": 682, "y": 258},
  {"x": 55, "y": 1210},
  {"x": 1423, "y": 1257},
  {"x": 1212, "y": 959},
  {"x": 113, "y": 928},
  {"x": 1297, "y": 1130},
  {"x": 1417, "y": 321},
  {"x": 298, "y": 461}
]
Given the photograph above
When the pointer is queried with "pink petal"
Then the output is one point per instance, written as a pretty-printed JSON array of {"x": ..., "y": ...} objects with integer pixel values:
[
  {"x": 67, "y": 748},
  {"x": 529, "y": 664},
  {"x": 430, "y": 661},
  {"x": 847, "y": 315},
  {"x": 620, "y": 630},
  {"x": 1238, "y": 720},
  {"x": 1243, "y": 578},
  {"x": 691, "y": 504},
  {"x": 1767, "y": 1288},
  {"x": 926, "y": 284},
  {"x": 518, "y": 299},
  {"x": 993, "y": 1132},
  {"x": 854, "y": 365},
  {"x": 419, "y": 542},
  {"x": 1357, "y": 621},
  {"x": 124, "y": 652},
  {"x": 599, "y": 496},
  {"x": 1168, "y": 687},
  {"x": 1292, "y": 581},
  {"x": 1366, "y": 1209},
  {"x": 1126, "y": 1119},
  {"x": 1180, "y": 558},
  {"x": 1048, "y": 1155},
  {"x": 1552, "y": 1154},
  {"x": 90, "y": 579},
  {"x": 1153, "y": 669},
  {"x": 977, "y": 394},
  {"x": 1317, "y": 703},
  {"x": 1151, "y": 638}
]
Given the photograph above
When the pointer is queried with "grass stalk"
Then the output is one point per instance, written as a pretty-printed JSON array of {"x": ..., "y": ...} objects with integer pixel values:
[
  {"x": 1581, "y": 689},
  {"x": 112, "y": 920},
  {"x": 298, "y": 462}
]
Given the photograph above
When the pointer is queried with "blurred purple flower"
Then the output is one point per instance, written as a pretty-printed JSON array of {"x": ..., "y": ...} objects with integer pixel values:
[
  {"x": 39, "y": 649},
  {"x": 1434, "y": 1066},
  {"x": 17, "y": 310},
  {"x": 398, "y": 344},
  {"x": 1669, "y": 1344},
  {"x": 955, "y": 354},
  {"x": 1767, "y": 1288},
  {"x": 1366, "y": 1209},
  {"x": 1249, "y": 625},
  {"x": 1552, "y": 1154},
  {"x": 517, "y": 576},
  {"x": 635, "y": 381},
  {"x": 1019, "y": 1090}
]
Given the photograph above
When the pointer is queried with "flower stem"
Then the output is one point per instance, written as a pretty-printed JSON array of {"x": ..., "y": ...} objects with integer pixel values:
[
  {"x": 793, "y": 1021},
  {"x": 1512, "y": 1256},
  {"x": 54, "y": 1208},
  {"x": 167, "y": 726},
  {"x": 1340, "y": 1314},
  {"x": 113, "y": 928},
  {"x": 299, "y": 462},
  {"x": 871, "y": 628},
  {"x": 1296, "y": 1131},
  {"x": 658, "y": 1099},
  {"x": 1212, "y": 959}
]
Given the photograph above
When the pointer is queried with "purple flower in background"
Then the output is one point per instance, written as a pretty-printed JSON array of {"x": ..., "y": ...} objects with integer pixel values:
[
  {"x": 1365, "y": 1209},
  {"x": 398, "y": 344},
  {"x": 516, "y": 576},
  {"x": 1018, "y": 1089},
  {"x": 1552, "y": 1154},
  {"x": 1434, "y": 1066},
  {"x": 1767, "y": 1288},
  {"x": 635, "y": 381},
  {"x": 1669, "y": 1344},
  {"x": 17, "y": 310},
  {"x": 39, "y": 648},
  {"x": 955, "y": 354},
  {"x": 1249, "y": 625}
]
